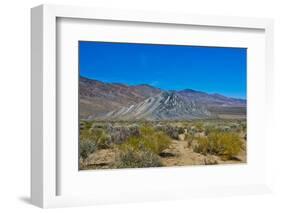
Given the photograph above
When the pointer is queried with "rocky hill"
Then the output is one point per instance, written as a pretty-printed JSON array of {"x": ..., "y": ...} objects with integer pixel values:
[
  {"x": 164, "y": 106},
  {"x": 99, "y": 100}
]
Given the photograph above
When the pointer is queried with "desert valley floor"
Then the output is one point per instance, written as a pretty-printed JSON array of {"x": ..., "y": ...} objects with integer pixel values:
[
  {"x": 137, "y": 126},
  {"x": 183, "y": 149}
]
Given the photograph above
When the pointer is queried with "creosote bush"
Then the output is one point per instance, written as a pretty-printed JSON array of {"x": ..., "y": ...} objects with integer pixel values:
[
  {"x": 155, "y": 141},
  {"x": 189, "y": 137},
  {"x": 224, "y": 144},
  {"x": 101, "y": 138},
  {"x": 137, "y": 158},
  {"x": 143, "y": 150},
  {"x": 86, "y": 148},
  {"x": 172, "y": 131}
]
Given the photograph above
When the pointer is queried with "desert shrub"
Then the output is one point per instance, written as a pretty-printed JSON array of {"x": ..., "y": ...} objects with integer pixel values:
[
  {"x": 189, "y": 137},
  {"x": 203, "y": 146},
  {"x": 143, "y": 150},
  {"x": 134, "y": 144},
  {"x": 82, "y": 125},
  {"x": 234, "y": 127},
  {"x": 199, "y": 127},
  {"x": 97, "y": 136},
  {"x": 191, "y": 130},
  {"x": 153, "y": 140},
  {"x": 101, "y": 138},
  {"x": 226, "y": 145},
  {"x": 209, "y": 129},
  {"x": 85, "y": 125},
  {"x": 180, "y": 130},
  {"x": 243, "y": 127},
  {"x": 119, "y": 134},
  {"x": 104, "y": 141},
  {"x": 137, "y": 158},
  {"x": 147, "y": 129},
  {"x": 172, "y": 131},
  {"x": 159, "y": 142},
  {"x": 106, "y": 133},
  {"x": 86, "y": 147}
]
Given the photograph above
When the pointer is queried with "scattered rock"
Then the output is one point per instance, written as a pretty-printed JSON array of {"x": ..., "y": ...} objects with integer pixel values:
[
  {"x": 167, "y": 153},
  {"x": 181, "y": 137},
  {"x": 210, "y": 160},
  {"x": 103, "y": 158}
]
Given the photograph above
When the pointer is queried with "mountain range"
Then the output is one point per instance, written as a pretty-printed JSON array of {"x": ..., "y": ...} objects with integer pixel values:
[{"x": 115, "y": 101}]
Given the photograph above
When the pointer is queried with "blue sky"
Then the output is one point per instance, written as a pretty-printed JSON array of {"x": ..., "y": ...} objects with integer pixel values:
[{"x": 169, "y": 67}]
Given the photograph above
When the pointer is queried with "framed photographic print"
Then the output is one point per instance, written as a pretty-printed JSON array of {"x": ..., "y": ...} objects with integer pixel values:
[
  {"x": 130, "y": 106},
  {"x": 152, "y": 118}
]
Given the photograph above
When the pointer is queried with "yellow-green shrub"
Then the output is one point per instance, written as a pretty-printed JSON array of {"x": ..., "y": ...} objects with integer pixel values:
[
  {"x": 146, "y": 130},
  {"x": 102, "y": 139},
  {"x": 225, "y": 144},
  {"x": 155, "y": 141},
  {"x": 159, "y": 142},
  {"x": 97, "y": 136},
  {"x": 143, "y": 150},
  {"x": 86, "y": 147},
  {"x": 132, "y": 157}
]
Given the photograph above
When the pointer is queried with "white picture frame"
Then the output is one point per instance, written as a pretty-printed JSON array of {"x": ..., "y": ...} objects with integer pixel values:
[{"x": 45, "y": 169}]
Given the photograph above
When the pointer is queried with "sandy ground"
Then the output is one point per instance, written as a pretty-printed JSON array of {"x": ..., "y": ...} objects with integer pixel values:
[
  {"x": 183, "y": 156},
  {"x": 178, "y": 154}
]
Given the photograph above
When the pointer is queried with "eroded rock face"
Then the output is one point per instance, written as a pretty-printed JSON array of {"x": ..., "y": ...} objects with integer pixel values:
[{"x": 163, "y": 106}]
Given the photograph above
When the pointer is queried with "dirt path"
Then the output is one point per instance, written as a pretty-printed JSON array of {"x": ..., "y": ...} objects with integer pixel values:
[{"x": 179, "y": 154}]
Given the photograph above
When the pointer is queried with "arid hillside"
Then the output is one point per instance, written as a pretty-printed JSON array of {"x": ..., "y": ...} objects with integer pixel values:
[{"x": 115, "y": 101}]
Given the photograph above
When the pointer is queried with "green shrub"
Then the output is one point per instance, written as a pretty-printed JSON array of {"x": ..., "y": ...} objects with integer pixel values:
[
  {"x": 172, "y": 131},
  {"x": 85, "y": 125},
  {"x": 119, "y": 134},
  {"x": 101, "y": 138},
  {"x": 86, "y": 148},
  {"x": 224, "y": 144},
  {"x": 97, "y": 136},
  {"x": 199, "y": 127},
  {"x": 143, "y": 150},
  {"x": 146, "y": 130},
  {"x": 155, "y": 141},
  {"x": 137, "y": 158},
  {"x": 159, "y": 142},
  {"x": 189, "y": 137},
  {"x": 243, "y": 127},
  {"x": 209, "y": 129},
  {"x": 134, "y": 144}
]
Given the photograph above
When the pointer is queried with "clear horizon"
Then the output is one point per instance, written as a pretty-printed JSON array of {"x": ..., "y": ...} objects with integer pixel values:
[{"x": 211, "y": 70}]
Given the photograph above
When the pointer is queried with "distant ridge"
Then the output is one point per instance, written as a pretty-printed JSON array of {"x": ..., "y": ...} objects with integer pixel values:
[{"x": 99, "y": 100}]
